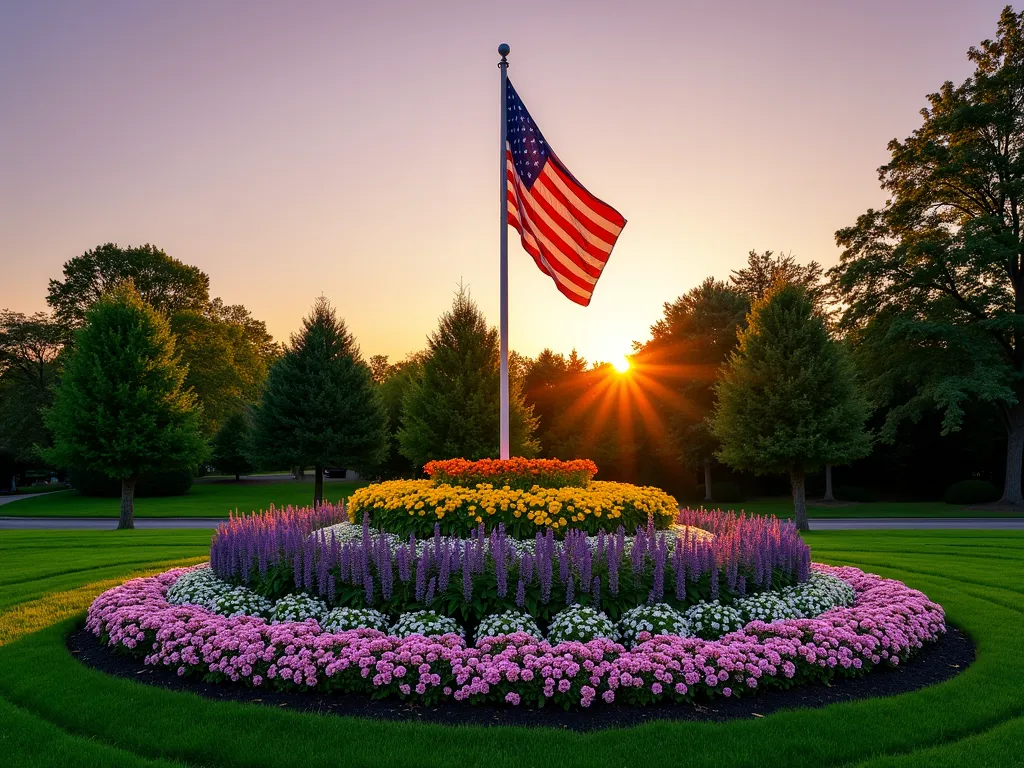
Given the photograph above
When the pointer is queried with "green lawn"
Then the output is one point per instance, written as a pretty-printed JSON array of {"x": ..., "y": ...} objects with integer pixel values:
[
  {"x": 783, "y": 507},
  {"x": 205, "y": 499},
  {"x": 53, "y": 711}
]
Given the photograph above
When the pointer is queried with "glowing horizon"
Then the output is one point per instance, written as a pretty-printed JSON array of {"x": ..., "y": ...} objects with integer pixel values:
[{"x": 350, "y": 151}]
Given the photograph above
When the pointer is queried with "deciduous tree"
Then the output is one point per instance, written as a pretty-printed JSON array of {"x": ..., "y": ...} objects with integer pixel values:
[
  {"x": 937, "y": 275},
  {"x": 121, "y": 406},
  {"x": 165, "y": 283}
]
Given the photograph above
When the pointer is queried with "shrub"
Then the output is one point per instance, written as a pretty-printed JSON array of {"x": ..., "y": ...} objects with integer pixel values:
[
  {"x": 712, "y": 620},
  {"x": 973, "y": 491},
  {"x": 240, "y": 601},
  {"x": 175, "y": 482},
  {"x": 198, "y": 587},
  {"x": 507, "y": 623},
  {"x": 516, "y": 473},
  {"x": 425, "y": 623},
  {"x": 724, "y": 491},
  {"x": 416, "y": 506},
  {"x": 582, "y": 623},
  {"x": 344, "y": 619},
  {"x": 658, "y": 619},
  {"x": 297, "y": 607},
  {"x": 853, "y": 493}
]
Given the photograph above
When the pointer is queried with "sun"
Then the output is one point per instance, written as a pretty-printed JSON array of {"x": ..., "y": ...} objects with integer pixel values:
[{"x": 622, "y": 365}]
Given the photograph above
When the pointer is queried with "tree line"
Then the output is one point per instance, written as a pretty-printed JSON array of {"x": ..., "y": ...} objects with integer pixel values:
[{"x": 900, "y": 364}]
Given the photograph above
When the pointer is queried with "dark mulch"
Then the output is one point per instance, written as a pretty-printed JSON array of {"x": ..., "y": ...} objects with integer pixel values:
[{"x": 937, "y": 662}]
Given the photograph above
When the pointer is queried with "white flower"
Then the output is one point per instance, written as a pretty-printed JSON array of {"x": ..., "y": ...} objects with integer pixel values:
[
  {"x": 240, "y": 601},
  {"x": 200, "y": 586},
  {"x": 712, "y": 620},
  {"x": 581, "y": 623},
  {"x": 342, "y": 619},
  {"x": 425, "y": 623},
  {"x": 506, "y": 624},
  {"x": 298, "y": 607},
  {"x": 658, "y": 619}
]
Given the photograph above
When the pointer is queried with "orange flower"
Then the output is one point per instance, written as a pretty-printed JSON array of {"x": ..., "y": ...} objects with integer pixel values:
[{"x": 516, "y": 473}]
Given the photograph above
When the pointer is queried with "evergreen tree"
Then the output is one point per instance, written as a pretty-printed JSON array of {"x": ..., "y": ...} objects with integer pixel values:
[
  {"x": 452, "y": 409},
  {"x": 230, "y": 446},
  {"x": 319, "y": 407},
  {"x": 788, "y": 400},
  {"x": 120, "y": 407}
]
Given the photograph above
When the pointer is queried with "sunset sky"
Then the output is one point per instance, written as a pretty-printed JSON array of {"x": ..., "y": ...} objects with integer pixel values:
[{"x": 351, "y": 149}]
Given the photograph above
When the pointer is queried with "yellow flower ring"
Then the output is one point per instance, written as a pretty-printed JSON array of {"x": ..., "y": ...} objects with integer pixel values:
[{"x": 415, "y": 506}]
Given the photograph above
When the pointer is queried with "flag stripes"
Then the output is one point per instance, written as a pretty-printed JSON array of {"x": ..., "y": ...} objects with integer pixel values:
[{"x": 568, "y": 232}]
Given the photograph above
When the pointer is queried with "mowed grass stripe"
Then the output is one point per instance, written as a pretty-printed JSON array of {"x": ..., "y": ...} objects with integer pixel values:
[
  {"x": 34, "y": 615},
  {"x": 998, "y": 747},
  {"x": 30, "y": 741}
]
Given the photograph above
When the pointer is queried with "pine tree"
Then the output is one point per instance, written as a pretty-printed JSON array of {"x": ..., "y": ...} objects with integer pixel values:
[
  {"x": 788, "y": 399},
  {"x": 452, "y": 409},
  {"x": 230, "y": 446},
  {"x": 120, "y": 407},
  {"x": 319, "y": 407}
]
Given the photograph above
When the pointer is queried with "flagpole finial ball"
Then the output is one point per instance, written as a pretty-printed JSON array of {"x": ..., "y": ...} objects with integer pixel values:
[{"x": 503, "y": 50}]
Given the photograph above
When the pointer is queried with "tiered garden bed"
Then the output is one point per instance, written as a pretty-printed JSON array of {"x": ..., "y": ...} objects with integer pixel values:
[{"x": 435, "y": 591}]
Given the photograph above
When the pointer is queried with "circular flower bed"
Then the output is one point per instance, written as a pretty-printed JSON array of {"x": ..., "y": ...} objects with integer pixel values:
[
  {"x": 569, "y": 593},
  {"x": 885, "y": 624}
]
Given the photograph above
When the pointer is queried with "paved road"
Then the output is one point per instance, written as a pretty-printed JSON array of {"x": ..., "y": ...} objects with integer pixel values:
[{"x": 837, "y": 524}]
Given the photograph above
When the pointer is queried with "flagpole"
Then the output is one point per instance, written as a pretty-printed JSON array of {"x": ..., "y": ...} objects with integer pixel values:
[{"x": 503, "y": 51}]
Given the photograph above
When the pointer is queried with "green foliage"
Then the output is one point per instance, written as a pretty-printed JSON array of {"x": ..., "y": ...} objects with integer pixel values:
[
  {"x": 762, "y": 272},
  {"x": 934, "y": 281},
  {"x": 231, "y": 446},
  {"x": 228, "y": 355},
  {"x": 788, "y": 400},
  {"x": 319, "y": 407},
  {"x": 550, "y": 386},
  {"x": 170, "y": 482},
  {"x": 164, "y": 283},
  {"x": 688, "y": 346},
  {"x": 452, "y": 409},
  {"x": 226, "y": 352},
  {"x": 972, "y": 491},
  {"x": 393, "y": 382},
  {"x": 120, "y": 407},
  {"x": 30, "y": 347}
]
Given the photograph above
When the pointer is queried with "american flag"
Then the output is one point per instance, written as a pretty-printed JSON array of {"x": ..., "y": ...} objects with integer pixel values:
[{"x": 568, "y": 232}]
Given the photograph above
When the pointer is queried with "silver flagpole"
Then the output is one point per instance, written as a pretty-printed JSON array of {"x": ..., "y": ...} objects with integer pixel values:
[{"x": 503, "y": 50}]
